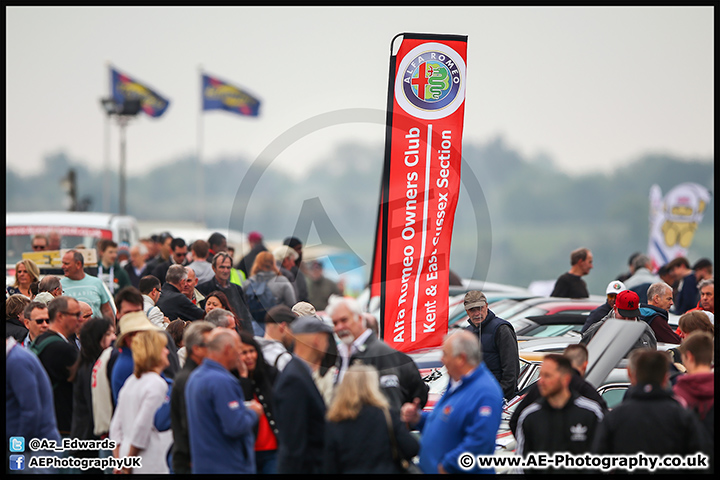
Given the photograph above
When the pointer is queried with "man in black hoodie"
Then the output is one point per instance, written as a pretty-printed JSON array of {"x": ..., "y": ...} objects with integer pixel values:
[{"x": 649, "y": 419}]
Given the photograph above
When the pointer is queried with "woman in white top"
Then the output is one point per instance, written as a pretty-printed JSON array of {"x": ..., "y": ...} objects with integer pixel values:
[{"x": 132, "y": 425}]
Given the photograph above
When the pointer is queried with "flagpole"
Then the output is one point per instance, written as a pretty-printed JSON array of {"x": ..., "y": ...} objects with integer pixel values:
[
  {"x": 200, "y": 173},
  {"x": 106, "y": 177}
]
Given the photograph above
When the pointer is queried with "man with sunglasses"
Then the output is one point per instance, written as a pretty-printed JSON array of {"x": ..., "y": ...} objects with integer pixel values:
[
  {"x": 36, "y": 321},
  {"x": 57, "y": 352},
  {"x": 178, "y": 256},
  {"x": 612, "y": 290},
  {"x": 39, "y": 242}
]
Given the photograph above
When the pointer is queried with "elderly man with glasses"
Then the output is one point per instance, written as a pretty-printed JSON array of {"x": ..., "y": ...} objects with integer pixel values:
[{"x": 222, "y": 265}]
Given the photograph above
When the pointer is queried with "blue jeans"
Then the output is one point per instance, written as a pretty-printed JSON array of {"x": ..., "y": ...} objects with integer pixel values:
[{"x": 266, "y": 462}]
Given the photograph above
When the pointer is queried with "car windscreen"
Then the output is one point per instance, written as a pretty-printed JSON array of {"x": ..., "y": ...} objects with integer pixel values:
[
  {"x": 544, "y": 331},
  {"x": 18, "y": 241}
]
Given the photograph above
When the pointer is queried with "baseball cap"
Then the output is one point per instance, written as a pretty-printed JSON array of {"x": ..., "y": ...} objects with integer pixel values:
[
  {"x": 627, "y": 303},
  {"x": 280, "y": 314},
  {"x": 302, "y": 309},
  {"x": 43, "y": 297},
  {"x": 254, "y": 237},
  {"x": 310, "y": 324},
  {"x": 473, "y": 299},
  {"x": 616, "y": 286}
]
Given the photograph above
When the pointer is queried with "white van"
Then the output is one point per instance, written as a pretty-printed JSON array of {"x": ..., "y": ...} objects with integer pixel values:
[{"x": 74, "y": 229}]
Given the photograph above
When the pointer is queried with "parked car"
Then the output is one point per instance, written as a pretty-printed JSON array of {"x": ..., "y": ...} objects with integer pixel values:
[
  {"x": 457, "y": 316},
  {"x": 518, "y": 311},
  {"x": 565, "y": 323}
]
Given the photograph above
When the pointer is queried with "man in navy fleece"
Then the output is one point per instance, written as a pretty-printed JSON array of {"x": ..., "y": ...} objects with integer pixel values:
[
  {"x": 466, "y": 418},
  {"x": 220, "y": 426}
]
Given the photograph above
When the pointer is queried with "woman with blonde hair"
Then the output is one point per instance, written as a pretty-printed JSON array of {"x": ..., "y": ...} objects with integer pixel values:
[
  {"x": 26, "y": 272},
  {"x": 265, "y": 275},
  {"x": 132, "y": 425},
  {"x": 363, "y": 435}
]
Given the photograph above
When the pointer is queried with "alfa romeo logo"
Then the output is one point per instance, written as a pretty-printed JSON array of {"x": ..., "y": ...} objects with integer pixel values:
[{"x": 430, "y": 83}]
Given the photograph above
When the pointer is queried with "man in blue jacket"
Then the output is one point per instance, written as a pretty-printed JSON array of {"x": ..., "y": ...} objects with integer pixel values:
[
  {"x": 465, "y": 421},
  {"x": 220, "y": 425},
  {"x": 29, "y": 407}
]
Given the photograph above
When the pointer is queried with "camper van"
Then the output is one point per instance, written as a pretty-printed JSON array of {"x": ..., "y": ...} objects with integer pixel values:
[{"x": 71, "y": 229}]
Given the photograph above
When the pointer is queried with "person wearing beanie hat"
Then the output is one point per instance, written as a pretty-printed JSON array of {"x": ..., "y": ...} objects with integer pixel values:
[
  {"x": 627, "y": 307},
  {"x": 255, "y": 240},
  {"x": 613, "y": 288}
]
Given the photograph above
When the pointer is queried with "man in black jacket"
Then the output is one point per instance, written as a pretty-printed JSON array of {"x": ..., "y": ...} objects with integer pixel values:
[
  {"x": 400, "y": 378},
  {"x": 649, "y": 419},
  {"x": 578, "y": 356},
  {"x": 612, "y": 290},
  {"x": 561, "y": 421},
  {"x": 194, "y": 340},
  {"x": 57, "y": 352},
  {"x": 222, "y": 266},
  {"x": 299, "y": 408},
  {"x": 172, "y": 302}
]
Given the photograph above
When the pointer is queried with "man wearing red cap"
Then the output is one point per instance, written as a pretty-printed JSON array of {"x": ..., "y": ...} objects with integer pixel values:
[
  {"x": 245, "y": 264},
  {"x": 626, "y": 307}
]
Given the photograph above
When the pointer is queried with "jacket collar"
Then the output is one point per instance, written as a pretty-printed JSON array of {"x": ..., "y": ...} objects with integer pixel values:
[{"x": 490, "y": 316}]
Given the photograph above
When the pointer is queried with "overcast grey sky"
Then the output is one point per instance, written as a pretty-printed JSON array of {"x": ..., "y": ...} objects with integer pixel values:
[{"x": 593, "y": 88}]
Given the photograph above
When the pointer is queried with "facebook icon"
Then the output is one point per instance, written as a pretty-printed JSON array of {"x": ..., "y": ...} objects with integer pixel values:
[{"x": 17, "y": 462}]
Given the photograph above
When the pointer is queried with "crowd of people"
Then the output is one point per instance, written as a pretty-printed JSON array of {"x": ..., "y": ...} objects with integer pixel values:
[{"x": 198, "y": 364}]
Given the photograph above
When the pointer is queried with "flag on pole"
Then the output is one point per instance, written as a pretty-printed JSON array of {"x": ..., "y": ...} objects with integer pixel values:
[
  {"x": 674, "y": 219},
  {"x": 220, "y": 95},
  {"x": 124, "y": 87},
  {"x": 421, "y": 185}
]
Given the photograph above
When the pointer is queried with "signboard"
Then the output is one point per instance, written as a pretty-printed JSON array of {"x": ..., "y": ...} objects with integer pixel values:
[{"x": 420, "y": 188}]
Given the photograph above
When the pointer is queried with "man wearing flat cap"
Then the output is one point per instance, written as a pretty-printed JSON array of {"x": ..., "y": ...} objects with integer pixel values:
[
  {"x": 497, "y": 341},
  {"x": 298, "y": 405}
]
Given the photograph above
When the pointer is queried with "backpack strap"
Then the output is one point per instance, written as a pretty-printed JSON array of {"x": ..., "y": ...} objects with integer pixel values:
[
  {"x": 278, "y": 358},
  {"x": 37, "y": 348}
]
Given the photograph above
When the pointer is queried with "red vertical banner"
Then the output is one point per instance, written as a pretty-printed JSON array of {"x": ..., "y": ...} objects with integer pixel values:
[{"x": 421, "y": 186}]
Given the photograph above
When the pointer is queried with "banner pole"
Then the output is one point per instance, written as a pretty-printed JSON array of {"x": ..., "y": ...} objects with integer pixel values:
[{"x": 199, "y": 166}]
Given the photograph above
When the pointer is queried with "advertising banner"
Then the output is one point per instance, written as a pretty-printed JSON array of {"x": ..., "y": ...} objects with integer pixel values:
[
  {"x": 674, "y": 219},
  {"x": 421, "y": 184}
]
